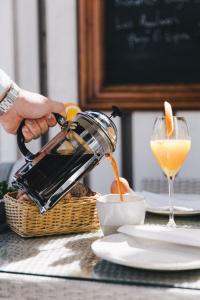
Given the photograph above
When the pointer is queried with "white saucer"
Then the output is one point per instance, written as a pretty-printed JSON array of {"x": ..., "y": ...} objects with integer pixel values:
[
  {"x": 147, "y": 254},
  {"x": 184, "y": 204}
]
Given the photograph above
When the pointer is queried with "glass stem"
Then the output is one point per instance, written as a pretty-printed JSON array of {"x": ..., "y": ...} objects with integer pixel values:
[{"x": 171, "y": 222}]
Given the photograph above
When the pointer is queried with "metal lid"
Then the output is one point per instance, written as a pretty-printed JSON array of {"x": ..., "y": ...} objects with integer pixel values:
[{"x": 104, "y": 123}]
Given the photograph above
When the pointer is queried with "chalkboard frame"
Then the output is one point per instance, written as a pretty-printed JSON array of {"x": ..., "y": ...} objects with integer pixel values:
[{"x": 94, "y": 94}]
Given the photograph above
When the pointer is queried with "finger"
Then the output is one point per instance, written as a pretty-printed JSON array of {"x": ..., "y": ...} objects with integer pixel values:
[
  {"x": 51, "y": 120},
  {"x": 27, "y": 134},
  {"x": 10, "y": 122},
  {"x": 33, "y": 128},
  {"x": 43, "y": 125},
  {"x": 55, "y": 106}
]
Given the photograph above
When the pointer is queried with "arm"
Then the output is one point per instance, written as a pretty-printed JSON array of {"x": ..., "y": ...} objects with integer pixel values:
[{"x": 35, "y": 108}]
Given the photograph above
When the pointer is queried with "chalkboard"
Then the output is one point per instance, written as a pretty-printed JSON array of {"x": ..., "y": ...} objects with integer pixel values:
[
  {"x": 138, "y": 53},
  {"x": 152, "y": 41}
]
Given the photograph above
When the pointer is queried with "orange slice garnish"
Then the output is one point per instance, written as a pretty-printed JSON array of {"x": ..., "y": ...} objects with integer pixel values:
[
  {"x": 168, "y": 118},
  {"x": 71, "y": 109}
]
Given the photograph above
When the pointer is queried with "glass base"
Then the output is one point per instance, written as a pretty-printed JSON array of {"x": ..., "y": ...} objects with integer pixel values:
[{"x": 171, "y": 223}]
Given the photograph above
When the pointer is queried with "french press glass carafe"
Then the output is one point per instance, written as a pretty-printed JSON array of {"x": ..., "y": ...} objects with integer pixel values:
[{"x": 64, "y": 160}]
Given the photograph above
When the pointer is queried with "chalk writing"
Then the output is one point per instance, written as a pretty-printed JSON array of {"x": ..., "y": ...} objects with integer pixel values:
[
  {"x": 157, "y": 37},
  {"x": 155, "y": 27},
  {"x": 134, "y": 40},
  {"x": 176, "y": 37},
  {"x": 121, "y": 25},
  {"x": 177, "y": 1},
  {"x": 157, "y": 21},
  {"x": 129, "y": 3}
]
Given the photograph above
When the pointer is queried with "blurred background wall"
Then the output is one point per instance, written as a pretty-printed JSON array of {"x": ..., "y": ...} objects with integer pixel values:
[{"x": 38, "y": 50}]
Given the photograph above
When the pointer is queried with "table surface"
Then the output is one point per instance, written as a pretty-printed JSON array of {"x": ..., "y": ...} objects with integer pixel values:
[{"x": 55, "y": 260}]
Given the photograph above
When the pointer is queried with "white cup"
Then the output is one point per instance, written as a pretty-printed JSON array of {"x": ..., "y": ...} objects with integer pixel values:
[{"x": 114, "y": 213}]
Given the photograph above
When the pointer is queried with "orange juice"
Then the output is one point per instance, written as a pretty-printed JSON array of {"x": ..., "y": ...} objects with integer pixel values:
[
  {"x": 116, "y": 174},
  {"x": 170, "y": 154}
]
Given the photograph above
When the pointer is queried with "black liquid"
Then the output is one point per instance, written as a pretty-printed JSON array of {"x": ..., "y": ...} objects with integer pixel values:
[{"x": 45, "y": 178}]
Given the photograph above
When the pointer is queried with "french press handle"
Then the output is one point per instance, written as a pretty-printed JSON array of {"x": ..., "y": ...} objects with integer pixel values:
[{"x": 21, "y": 139}]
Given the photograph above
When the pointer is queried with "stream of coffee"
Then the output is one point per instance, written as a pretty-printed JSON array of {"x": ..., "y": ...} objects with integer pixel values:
[{"x": 116, "y": 174}]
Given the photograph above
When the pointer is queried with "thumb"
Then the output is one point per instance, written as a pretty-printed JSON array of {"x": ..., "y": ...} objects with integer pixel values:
[{"x": 56, "y": 107}]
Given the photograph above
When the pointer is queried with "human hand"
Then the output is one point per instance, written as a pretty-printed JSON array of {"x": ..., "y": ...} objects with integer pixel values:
[{"x": 37, "y": 112}]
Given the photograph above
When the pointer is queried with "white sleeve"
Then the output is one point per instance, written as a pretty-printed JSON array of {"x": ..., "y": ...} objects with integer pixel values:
[{"x": 5, "y": 82}]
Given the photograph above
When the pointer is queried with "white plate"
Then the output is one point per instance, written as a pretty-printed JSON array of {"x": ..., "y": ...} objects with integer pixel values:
[
  {"x": 184, "y": 204},
  {"x": 177, "y": 212},
  {"x": 146, "y": 254}
]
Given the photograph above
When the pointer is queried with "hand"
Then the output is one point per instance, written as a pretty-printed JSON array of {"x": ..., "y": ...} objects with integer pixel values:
[{"x": 36, "y": 109}]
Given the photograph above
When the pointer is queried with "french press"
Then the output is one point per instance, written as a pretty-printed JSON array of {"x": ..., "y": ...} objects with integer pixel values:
[{"x": 69, "y": 156}]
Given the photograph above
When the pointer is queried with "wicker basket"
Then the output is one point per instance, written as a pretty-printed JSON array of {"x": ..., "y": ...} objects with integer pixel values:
[
  {"x": 2, "y": 213},
  {"x": 70, "y": 215}
]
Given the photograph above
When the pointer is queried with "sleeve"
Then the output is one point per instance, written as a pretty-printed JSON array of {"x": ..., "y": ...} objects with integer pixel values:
[{"x": 5, "y": 83}]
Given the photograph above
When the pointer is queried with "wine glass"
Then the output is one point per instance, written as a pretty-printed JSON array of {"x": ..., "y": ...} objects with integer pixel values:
[{"x": 170, "y": 152}]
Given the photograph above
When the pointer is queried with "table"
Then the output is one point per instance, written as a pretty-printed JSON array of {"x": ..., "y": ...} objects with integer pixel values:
[
  {"x": 64, "y": 267},
  {"x": 26, "y": 287}
]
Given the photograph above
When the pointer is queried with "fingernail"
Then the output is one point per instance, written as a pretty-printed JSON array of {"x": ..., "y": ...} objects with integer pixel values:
[{"x": 30, "y": 122}]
